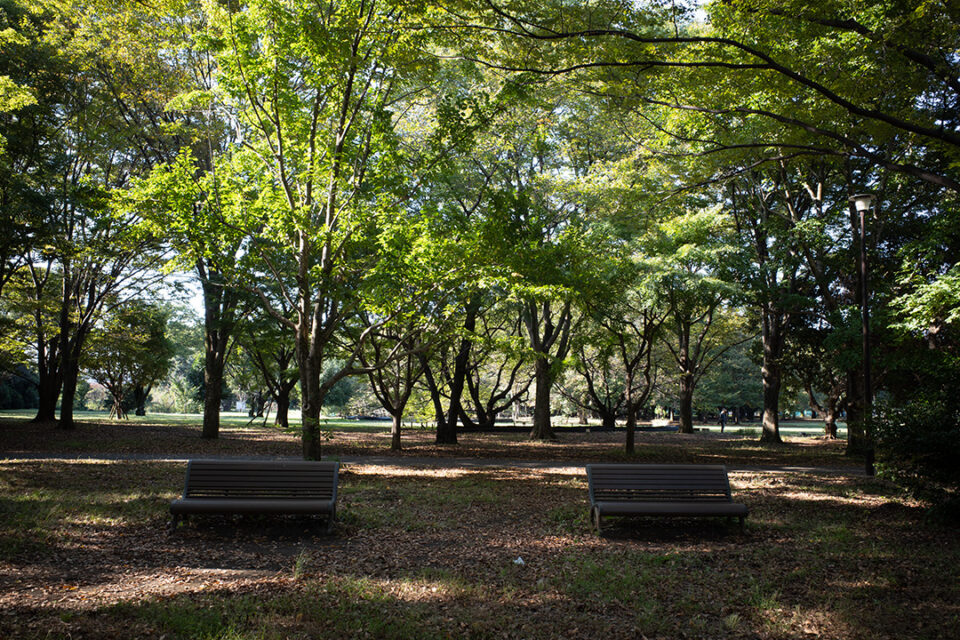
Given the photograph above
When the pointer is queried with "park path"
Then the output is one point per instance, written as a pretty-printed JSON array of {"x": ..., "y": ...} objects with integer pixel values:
[{"x": 426, "y": 462}]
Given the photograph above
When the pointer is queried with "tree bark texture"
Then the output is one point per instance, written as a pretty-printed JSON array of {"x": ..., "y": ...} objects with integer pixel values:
[
  {"x": 283, "y": 408},
  {"x": 545, "y": 335},
  {"x": 395, "y": 433},
  {"x": 542, "y": 429},
  {"x": 447, "y": 429},
  {"x": 140, "y": 395},
  {"x": 771, "y": 376},
  {"x": 71, "y": 375},
  {"x": 219, "y": 318},
  {"x": 686, "y": 402}
]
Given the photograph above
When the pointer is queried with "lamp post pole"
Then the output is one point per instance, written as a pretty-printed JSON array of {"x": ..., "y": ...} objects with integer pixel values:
[{"x": 863, "y": 202}]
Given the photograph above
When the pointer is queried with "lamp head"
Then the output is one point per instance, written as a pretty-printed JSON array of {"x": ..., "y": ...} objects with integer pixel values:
[{"x": 862, "y": 201}]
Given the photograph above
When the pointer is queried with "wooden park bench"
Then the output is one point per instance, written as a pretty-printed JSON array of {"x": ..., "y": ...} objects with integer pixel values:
[
  {"x": 661, "y": 490},
  {"x": 269, "y": 487}
]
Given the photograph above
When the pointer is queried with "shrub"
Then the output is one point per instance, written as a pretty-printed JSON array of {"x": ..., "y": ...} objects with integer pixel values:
[{"x": 918, "y": 447}]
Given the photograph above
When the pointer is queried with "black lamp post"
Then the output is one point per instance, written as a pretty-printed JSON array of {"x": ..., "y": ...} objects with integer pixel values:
[{"x": 863, "y": 202}]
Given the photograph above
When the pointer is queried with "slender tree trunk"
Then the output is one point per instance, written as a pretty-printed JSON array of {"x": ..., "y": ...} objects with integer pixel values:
[
  {"x": 434, "y": 390},
  {"x": 71, "y": 374},
  {"x": 686, "y": 403},
  {"x": 447, "y": 429},
  {"x": 631, "y": 413},
  {"x": 395, "y": 432},
  {"x": 542, "y": 429},
  {"x": 582, "y": 417},
  {"x": 830, "y": 418},
  {"x": 219, "y": 320},
  {"x": 117, "y": 409},
  {"x": 828, "y": 410},
  {"x": 447, "y": 432}
]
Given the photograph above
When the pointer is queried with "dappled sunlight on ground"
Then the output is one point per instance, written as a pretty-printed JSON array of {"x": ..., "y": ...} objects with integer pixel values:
[{"x": 428, "y": 550}]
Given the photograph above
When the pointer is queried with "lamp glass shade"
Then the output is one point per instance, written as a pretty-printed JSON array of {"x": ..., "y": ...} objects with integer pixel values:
[{"x": 862, "y": 201}]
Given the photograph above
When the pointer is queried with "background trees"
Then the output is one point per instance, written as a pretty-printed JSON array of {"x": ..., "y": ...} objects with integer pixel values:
[
  {"x": 128, "y": 353},
  {"x": 468, "y": 206}
]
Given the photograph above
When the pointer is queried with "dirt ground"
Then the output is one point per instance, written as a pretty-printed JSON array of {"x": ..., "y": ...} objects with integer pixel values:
[{"x": 474, "y": 551}]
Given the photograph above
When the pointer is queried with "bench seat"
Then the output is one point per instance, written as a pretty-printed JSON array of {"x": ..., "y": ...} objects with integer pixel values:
[
  {"x": 249, "y": 505},
  {"x": 691, "y": 490},
  {"x": 259, "y": 486},
  {"x": 728, "y": 509}
]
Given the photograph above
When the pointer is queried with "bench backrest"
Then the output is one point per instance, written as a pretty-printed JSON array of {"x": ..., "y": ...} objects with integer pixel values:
[
  {"x": 261, "y": 479},
  {"x": 658, "y": 483}
]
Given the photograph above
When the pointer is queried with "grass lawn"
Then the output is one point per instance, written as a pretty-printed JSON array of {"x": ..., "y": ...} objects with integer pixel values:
[{"x": 425, "y": 552}]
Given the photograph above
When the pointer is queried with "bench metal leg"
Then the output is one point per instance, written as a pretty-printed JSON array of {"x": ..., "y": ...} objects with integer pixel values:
[{"x": 595, "y": 518}]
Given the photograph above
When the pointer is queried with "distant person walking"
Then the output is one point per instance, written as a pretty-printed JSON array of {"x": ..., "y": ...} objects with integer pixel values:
[{"x": 723, "y": 419}]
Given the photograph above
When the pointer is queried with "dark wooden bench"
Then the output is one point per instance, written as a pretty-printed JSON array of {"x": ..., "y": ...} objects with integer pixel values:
[
  {"x": 661, "y": 490},
  {"x": 270, "y": 487}
]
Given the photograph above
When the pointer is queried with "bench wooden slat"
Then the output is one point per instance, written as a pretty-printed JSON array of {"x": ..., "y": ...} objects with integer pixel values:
[
  {"x": 257, "y": 486},
  {"x": 657, "y": 489}
]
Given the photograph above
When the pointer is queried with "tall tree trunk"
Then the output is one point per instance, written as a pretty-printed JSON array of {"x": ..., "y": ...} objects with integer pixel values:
[
  {"x": 434, "y": 390},
  {"x": 310, "y": 370},
  {"x": 771, "y": 376},
  {"x": 631, "y": 431},
  {"x": 686, "y": 403},
  {"x": 283, "y": 407},
  {"x": 310, "y": 418},
  {"x": 687, "y": 380},
  {"x": 140, "y": 395},
  {"x": 828, "y": 410},
  {"x": 117, "y": 410},
  {"x": 48, "y": 392},
  {"x": 447, "y": 431},
  {"x": 542, "y": 429},
  {"x": 395, "y": 432},
  {"x": 830, "y": 418},
  {"x": 71, "y": 374},
  {"x": 212, "y": 396},
  {"x": 219, "y": 320},
  {"x": 631, "y": 413}
]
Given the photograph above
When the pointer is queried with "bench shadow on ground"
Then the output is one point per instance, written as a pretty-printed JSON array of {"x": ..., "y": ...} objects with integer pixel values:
[
  {"x": 276, "y": 528},
  {"x": 673, "y": 530},
  {"x": 251, "y": 541}
]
